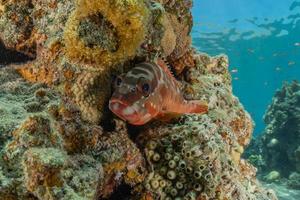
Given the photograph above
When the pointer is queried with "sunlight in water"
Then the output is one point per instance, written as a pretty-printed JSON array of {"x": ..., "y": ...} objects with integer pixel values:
[{"x": 262, "y": 41}]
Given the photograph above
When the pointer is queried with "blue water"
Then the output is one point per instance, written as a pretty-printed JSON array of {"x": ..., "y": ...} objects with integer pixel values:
[{"x": 262, "y": 40}]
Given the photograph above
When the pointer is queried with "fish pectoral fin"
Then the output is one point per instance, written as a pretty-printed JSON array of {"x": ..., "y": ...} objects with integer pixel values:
[
  {"x": 199, "y": 106},
  {"x": 167, "y": 116}
]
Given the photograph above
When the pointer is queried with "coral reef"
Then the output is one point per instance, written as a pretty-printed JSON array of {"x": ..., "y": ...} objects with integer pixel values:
[
  {"x": 187, "y": 158},
  {"x": 53, "y": 154},
  {"x": 69, "y": 38},
  {"x": 294, "y": 180},
  {"x": 19, "y": 99},
  {"x": 58, "y": 139},
  {"x": 278, "y": 146}
]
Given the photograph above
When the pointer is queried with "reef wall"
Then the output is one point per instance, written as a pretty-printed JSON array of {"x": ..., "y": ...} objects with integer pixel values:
[
  {"x": 66, "y": 144},
  {"x": 276, "y": 152}
]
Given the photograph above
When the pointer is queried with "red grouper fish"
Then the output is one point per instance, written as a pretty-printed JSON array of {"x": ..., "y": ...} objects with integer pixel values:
[{"x": 148, "y": 91}]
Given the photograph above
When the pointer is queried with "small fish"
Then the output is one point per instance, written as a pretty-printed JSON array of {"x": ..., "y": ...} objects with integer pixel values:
[
  {"x": 149, "y": 91},
  {"x": 278, "y": 68},
  {"x": 236, "y": 78},
  {"x": 297, "y": 44},
  {"x": 291, "y": 63},
  {"x": 234, "y": 70},
  {"x": 251, "y": 50},
  {"x": 233, "y": 21}
]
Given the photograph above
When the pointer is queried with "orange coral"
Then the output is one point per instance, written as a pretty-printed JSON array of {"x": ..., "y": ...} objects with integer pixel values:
[
  {"x": 33, "y": 74},
  {"x": 75, "y": 136},
  {"x": 44, "y": 68},
  {"x": 42, "y": 171}
]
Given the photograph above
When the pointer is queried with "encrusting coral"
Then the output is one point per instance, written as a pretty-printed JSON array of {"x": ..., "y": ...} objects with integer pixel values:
[
  {"x": 119, "y": 25},
  {"x": 63, "y": 143},
  {"x": 16, "y": 26},
  {"x": 19, "y": 99},
  {"x": 61, "y": 157}
]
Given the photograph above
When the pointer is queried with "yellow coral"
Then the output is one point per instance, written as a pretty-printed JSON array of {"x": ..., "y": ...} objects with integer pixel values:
[
  {"x": 134, "y": 177},
  {"x": 128, "y": 17}
]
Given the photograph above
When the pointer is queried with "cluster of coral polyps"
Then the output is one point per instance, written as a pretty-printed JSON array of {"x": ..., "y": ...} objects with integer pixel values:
[{"x": 66, "y": 145}]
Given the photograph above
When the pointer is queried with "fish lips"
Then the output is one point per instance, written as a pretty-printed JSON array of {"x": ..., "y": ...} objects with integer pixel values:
[{"x": 124, "y": 111}]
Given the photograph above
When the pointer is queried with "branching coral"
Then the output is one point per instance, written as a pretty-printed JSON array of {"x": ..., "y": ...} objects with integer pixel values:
[{"x": 127, "y": 20}]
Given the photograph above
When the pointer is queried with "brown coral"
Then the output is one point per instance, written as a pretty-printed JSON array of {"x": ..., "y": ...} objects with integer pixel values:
[
  {"x": 184, "y": 62},
  {"x": 16, "y": 26},
  {"x": 183, "y": 40},
  {"x": 243, "y": 127}
]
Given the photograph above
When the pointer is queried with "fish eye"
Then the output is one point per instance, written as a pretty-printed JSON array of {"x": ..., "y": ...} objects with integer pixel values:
[{"x": 146, "y": 87}]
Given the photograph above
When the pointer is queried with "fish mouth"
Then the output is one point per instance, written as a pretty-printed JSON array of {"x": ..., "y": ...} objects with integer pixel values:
[{"x": 124, "y": 111}]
